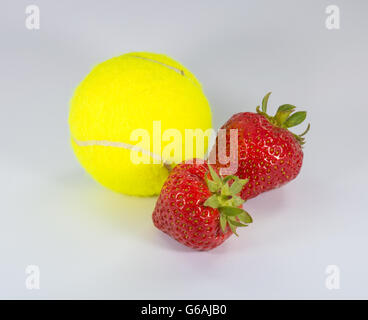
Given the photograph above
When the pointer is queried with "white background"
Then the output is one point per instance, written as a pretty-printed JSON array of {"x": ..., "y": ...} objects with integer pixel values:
[{"x": 92, "y": 243}]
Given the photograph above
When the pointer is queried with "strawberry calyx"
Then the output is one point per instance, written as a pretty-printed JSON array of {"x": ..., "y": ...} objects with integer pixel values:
[
  {"x": 225, "y": 199},
  {"x": 285, "y": 117}
]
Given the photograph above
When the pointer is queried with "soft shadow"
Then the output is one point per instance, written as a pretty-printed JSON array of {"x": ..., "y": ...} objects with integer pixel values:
[{"x": 130, "y": 214}]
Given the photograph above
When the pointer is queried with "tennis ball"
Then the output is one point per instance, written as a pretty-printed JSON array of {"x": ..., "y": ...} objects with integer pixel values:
[{"x": 129, "y": 92}]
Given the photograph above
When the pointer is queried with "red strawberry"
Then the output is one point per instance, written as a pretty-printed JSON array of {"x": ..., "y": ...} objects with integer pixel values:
[
  {"x": 198, "y": 212},
  {"x": 269, "y": 155}
]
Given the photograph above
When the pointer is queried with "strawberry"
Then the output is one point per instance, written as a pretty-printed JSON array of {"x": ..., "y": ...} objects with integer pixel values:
[
  {"x": 268, "y": 154},
  {"x": 199, "y": 212}
]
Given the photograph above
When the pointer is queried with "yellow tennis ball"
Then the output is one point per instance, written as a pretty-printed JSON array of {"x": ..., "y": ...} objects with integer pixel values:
[{"x": 133, "y": 91}]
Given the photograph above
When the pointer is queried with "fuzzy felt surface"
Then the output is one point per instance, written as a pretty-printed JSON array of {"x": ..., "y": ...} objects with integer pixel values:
[{"x": 126, "y": 93}]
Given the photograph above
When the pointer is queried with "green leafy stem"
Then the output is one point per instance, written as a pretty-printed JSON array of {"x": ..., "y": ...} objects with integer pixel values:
[
  {"x": 285, "y": 118},
  {"x": 225, "y": 198}
]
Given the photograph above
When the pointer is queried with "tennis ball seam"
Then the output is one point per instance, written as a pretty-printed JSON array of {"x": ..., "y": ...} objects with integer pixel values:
[
  {"x": 123, "y": 145},
  {"x": 177, "y": 70}
]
